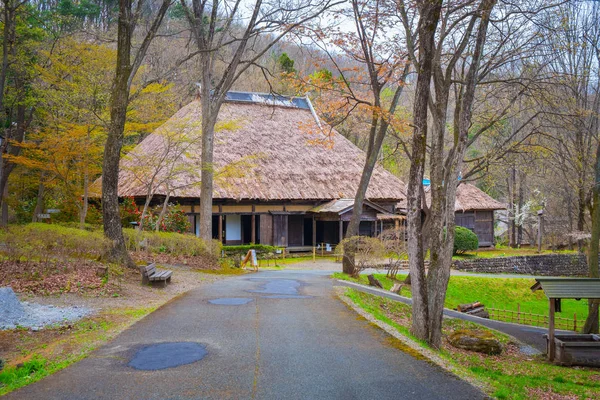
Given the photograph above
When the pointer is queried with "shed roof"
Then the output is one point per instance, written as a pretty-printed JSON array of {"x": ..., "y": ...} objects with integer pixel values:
[
  {"x": 342, "y": 206},
  {"x": 568, "y": 288},
  {"x": 279, "y": 148}
]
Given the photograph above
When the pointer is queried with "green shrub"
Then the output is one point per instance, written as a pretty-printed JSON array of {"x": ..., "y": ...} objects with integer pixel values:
[
  {"x": 243, "y": 249},
  {"x": 464, "y": 240},
  {"x": 170, "y": 243},
  {"x": 263, "y": 251},
  {"x": 44, "y": 242}
]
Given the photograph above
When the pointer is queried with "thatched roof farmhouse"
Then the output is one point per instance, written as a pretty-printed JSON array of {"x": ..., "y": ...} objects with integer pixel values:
[
  {"x": 282, "y": 176},
  {"x": 275, "y": 164}
]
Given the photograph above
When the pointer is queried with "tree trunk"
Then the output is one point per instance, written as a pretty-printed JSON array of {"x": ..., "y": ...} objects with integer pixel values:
[
  {"x": 444, "y": 174},
  {"x": 209, "y": 119},
  {"x": 429, "y": 15},
  {"x": 521, "y": 201},
  {"x": 39, "y": 204},
  {"x": 145, "y": 209},
  {"x": 126, "y": 68},
  {"x": 114, "y": 142},
  {"x": 162, "y": 211},
  {"x": 581, "y": 207},
  {"x": 86, "y": 193},
  {"x": 591, "y": 323},
  {"x": 7, "y": 43},
  {"x": 511, "y": 208}
]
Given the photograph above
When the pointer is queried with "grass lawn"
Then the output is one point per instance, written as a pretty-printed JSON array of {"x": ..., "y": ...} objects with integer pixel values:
[
  {"x": 501, "y": 293},
  {"x": 511, "y": 375},
  {"x": 39, "y": 354}
]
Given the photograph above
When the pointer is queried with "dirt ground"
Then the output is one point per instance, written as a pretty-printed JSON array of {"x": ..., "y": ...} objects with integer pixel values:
[
  {"x": 115, "y": 310},
  {"x": 130, "y": 292}
]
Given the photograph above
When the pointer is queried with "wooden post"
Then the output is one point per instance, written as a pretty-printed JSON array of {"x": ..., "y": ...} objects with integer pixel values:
[
  {"x": 518, "y": 313},
  {"x": 314, "y": 254},
  {"x": 551, "y": 345},
  {"x": 575, "y": 322},
  {"x": 341, "y": 231},
  {"x": 540, "y": 214},
  {"x": 314, "y": 232},
  {"x": 253, "y": 225},
  {"x": 220, "y": 228}
]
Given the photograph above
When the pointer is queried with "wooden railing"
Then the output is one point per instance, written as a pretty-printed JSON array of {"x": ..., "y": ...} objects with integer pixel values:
[{"x": 520, "y": 317}]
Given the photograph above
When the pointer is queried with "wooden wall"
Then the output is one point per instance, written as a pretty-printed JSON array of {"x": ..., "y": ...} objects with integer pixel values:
[
  {"x": 481, "y": 222},
  {"x": 266, "y": 229}
]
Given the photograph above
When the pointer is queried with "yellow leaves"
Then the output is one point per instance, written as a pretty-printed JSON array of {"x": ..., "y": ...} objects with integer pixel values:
[{"x": 156, "y": 88}]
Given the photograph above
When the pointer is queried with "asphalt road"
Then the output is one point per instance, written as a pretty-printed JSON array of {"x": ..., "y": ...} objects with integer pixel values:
[{"x": 292, "y": 340}]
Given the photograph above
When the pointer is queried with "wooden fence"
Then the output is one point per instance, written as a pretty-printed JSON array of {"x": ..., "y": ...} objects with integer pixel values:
[{"x": 519, "y": 317}]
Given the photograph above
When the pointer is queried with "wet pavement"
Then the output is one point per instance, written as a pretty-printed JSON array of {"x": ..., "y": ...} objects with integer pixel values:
[
  {"x": 167, "y": 355},
  {"x": 293, "y": 339}
]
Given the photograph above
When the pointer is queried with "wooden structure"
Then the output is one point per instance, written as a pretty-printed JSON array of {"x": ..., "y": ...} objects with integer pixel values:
[
  {"x": 473, "y": 209},
  {"x": 280, "y": 165},
  {"x": 250, "y": 258},
  {"x": 557, "y": 289},
  {"x": 151, "y": 275}
]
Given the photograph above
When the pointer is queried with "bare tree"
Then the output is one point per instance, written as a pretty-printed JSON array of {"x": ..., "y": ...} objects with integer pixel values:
[
  {"x": 591, "y": 323},
  {"x": 429, "y": 15},
  {"x": 232, "y": 36},
  {"x": 462, "y": 60},
  {"x": 368, "y": 65}
]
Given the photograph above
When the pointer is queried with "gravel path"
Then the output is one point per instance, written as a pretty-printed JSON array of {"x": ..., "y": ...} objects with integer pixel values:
[{"x": 13, "y": 313}]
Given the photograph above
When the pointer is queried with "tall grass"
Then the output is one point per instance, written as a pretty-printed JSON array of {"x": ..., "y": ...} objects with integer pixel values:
[
  {"x": 46, "y": 242},
  {"x": 170, "y": 243}
]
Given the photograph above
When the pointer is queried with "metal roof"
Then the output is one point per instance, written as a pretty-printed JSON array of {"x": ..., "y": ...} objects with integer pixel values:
[
  {"x": 334, "y": 206},
  {"x": 568, "y": 288},
  {"x": 269, "y": 99}
]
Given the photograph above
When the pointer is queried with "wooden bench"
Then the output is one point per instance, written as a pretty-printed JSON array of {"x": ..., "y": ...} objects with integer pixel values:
[{"x": 151, "y": 275}]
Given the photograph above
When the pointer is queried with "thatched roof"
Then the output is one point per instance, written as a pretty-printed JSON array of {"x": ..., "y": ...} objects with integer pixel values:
[
  {"x": 265, "y": 152},
  {"x": 468, "y": 198}
]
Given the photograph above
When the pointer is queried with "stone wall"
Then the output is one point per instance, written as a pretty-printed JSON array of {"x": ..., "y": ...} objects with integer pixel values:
[{"x": 544, "y": 265}]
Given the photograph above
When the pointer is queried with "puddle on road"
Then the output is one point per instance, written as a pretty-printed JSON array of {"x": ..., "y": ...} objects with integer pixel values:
[
  {"x": 231, "y": 301},
  {"x": 167, "y": 355},
  {"x": 281, "y": 289}
]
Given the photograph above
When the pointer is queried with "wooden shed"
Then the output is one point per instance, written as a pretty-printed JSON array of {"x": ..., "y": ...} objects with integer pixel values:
[{"x": 473, "y": 208}]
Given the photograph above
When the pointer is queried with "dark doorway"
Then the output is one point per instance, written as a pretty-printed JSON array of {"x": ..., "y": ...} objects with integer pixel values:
[
  {"x": 308, "y": 232},
  {"x": 246, "y": 229},
  {"x": 215, "y": 227},
  {"x": 295, "y": 230},
  {"x": 328, "y": 232}
]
